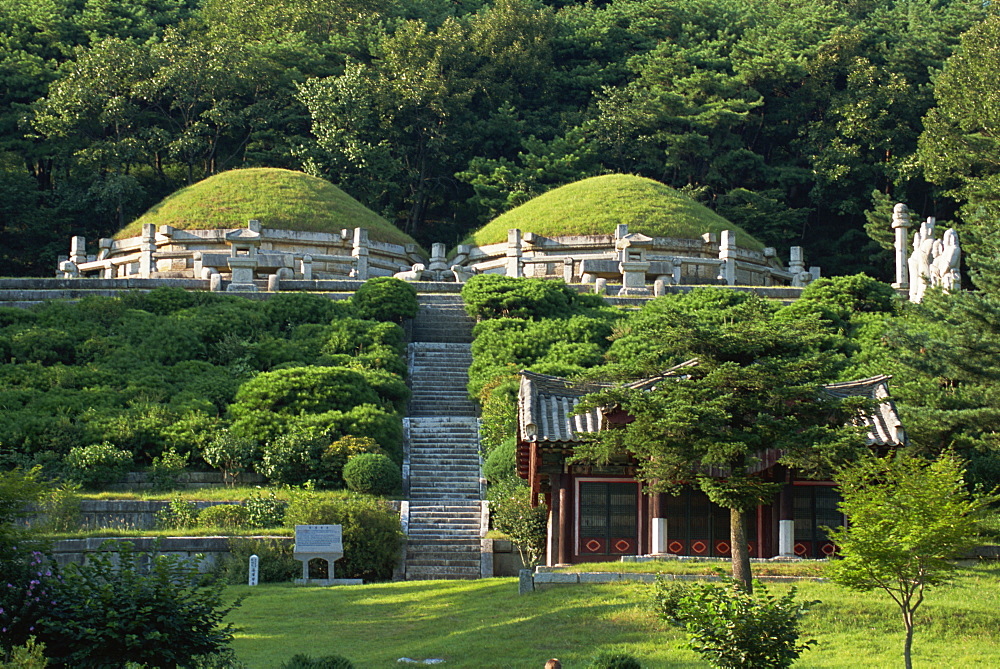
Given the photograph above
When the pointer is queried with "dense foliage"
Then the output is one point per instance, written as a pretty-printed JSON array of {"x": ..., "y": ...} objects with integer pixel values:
[
  {"x": 732, "y": 628},
  {"x": 148, "y": 609},
  {"x": 907, "y": 521},
  {"x": 168, "y": 379},
  {"x": 793, "y": 120}
]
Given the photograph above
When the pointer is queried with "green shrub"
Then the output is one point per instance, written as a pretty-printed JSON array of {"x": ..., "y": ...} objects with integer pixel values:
[
  {"x": 385, "y": 299},
  {"x": 97, "y": 465},
  {"x": 225, "y": 516},
  {"x": 733, "y": 629},
  {"x": 276, "y": 563},
  {"x": 264, "y": 512},
  {"x": 178, "y": 514},
  {"x": 385, "y": 427},
  {"x": 61, "y": 508},
  {"x": 372, "y": 473},
  {"x": 301, "y": 661},
  {"x": 231, "y": 454},
  {"x": 291, "y": 459},
  {"x": 47, "y": 346},
  {"x": 336, "y": 455},
  {"x": 166, "y": 470},
  {"x": 304, "y": 389},
  {"x": 31, "y": 655},
  {"x": 286, "y": 311},
  {"x": 372, "y": 535},
  {"x": 511, "y": 513},
  {"x": 501, "y": 464},
  {"x": 489, "y": 296},
  {"x": 144, "y": 608},
  {"x": 611, "y": 660}
]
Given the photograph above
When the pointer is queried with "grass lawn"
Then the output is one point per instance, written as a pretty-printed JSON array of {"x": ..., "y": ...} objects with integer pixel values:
[{"x": 484, "y": 624}]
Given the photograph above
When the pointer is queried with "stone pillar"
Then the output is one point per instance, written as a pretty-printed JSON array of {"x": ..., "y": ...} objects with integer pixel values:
[
  {"x": 78, "y": 250},
  {"x": 727, "y": 254},
  {"x": 215, "y": 282},
  {"x": 786, "y": 521},
  {"x": 796, "y": 266},
  {"x": 68, "y": 270},
  {"x": 273, "y": 283},
  {"x": 901, "y": 228},
  {"x": 439, "y": 262},
  {"x": 600, "y": 286},
  {"x": 514, "y": 253},
  {"x": 677, "y": 274},
  {"x": 147, "y": 245},
  {"x": 567, "y": 270},
  {"x": 360, "y": 254},
  {"x": 659, "y": 524},
  {"x": 307, "y": 268},
  {"x": 659, "y": 288},
  {"x": 104, "y": 247}
]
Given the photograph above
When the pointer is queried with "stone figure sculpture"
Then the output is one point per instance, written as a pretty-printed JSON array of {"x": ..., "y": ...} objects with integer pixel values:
[
  {"x": 944, "y": 270},
  {"x": 919, "y": 263},
  {"x": 415, "y": 273}
]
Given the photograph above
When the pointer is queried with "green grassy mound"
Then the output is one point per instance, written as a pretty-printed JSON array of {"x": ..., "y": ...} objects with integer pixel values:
[
  {"x": 280, "y": 199},
  {"x": 596, "y": 205}
]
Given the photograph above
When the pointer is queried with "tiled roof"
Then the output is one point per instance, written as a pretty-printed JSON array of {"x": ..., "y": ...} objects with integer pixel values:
[
  {"x": 884, "y": 426},
  {"x": 546, "y": 405}
]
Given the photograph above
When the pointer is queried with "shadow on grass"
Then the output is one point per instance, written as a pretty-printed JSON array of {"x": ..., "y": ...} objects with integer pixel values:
[{"x": 476, "y": 624}]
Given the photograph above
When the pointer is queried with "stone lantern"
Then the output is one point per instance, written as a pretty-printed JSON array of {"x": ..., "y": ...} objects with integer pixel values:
[
  {"x": 243, "y": 258},
  {"x": 632, "y": 261}
]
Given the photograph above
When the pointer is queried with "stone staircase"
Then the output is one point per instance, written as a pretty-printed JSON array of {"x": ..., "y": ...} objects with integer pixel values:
[
  {"x": 442, "y": 318},
  {"x": 442, "y": 478}
]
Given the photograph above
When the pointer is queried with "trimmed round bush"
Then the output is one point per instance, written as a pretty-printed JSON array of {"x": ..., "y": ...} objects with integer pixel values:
[
  {"x": 225, "y": 516},
  {"x": 385, "y": 298},
  {"x": 97, "y": 465},
  {"x": 372, "y": 473}
]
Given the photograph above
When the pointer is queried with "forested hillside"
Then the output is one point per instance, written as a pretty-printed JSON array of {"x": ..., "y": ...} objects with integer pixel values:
[{"x": 794, "y": 119}]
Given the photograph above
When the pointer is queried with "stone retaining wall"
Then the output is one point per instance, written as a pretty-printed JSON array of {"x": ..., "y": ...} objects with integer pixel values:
[
  {"x": 206, "y": 551},
  {"x": 529, "y": 581}
]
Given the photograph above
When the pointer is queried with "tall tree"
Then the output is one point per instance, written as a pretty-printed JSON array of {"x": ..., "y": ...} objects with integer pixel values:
[
  {"x": 908, "y": 519},
  {"x": 756, "y": 388}
]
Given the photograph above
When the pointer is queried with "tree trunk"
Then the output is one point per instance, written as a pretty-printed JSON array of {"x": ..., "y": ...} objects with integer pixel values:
[
  {"x": 740, "y": 550},
  {"x": 908, "y": 643}
]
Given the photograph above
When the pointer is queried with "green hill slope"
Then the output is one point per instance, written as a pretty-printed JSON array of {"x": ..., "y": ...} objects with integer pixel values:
[
  {"x": 280, "y": 199},
  {"x": 596, "y": 205}
]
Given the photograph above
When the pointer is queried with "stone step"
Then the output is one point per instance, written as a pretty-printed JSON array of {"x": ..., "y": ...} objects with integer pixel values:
[{"x": 430, "y": 574}]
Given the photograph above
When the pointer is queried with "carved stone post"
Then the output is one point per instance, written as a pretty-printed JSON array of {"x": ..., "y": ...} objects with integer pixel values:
[
  {"x": 797, "y": 266},
  {"x": 78, "y": 250},
  {"x": 901, "y": 228},
  {"x": 514, "y": 253},
  {"x": 727, "y": 254},
  {"x": 147, "y": 245},
  {"x": 360, "y": 254}
]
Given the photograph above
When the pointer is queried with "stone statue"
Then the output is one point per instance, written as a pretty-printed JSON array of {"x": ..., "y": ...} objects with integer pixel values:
[
  {"x": 919, "y": 263},
  {"x": 463, "y": 274},
  {"x": 944, "y": 270},
  {"x": 415, "y": 273}
]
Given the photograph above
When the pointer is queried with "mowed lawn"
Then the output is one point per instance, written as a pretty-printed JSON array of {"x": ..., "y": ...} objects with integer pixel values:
[{"x": 484, "y": 624}]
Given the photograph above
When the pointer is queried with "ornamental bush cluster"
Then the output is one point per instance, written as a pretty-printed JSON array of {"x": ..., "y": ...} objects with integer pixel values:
[{"x": 172, "y": 378}]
